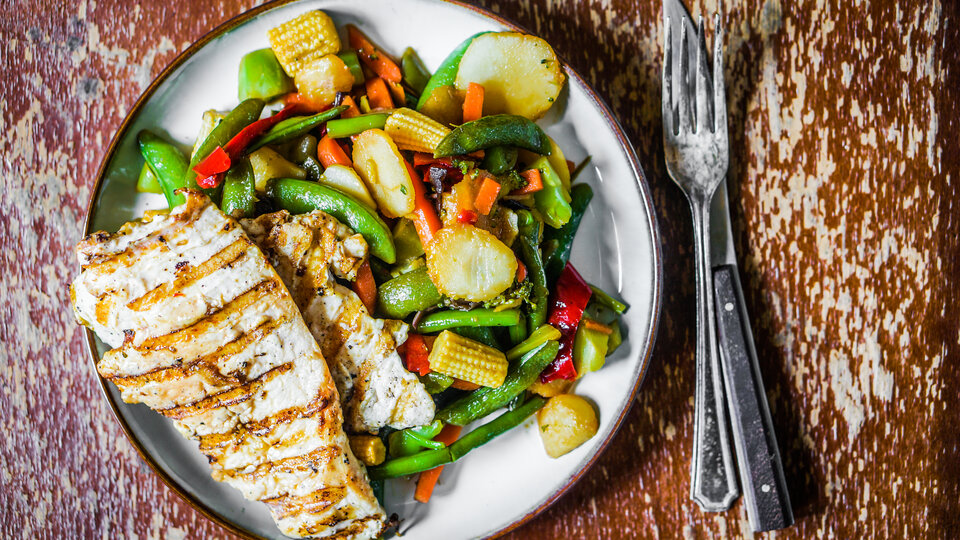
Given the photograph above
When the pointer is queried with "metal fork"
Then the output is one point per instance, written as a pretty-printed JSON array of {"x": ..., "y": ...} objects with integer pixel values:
[{"x": 697, "y": 157}]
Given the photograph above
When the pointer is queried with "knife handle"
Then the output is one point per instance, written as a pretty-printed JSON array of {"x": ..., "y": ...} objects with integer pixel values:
[{"x": 758, "y": 457}]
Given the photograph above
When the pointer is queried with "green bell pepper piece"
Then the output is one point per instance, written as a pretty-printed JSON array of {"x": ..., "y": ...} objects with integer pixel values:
[
  {"x": 589, "y": 349},
  {"x": 302, "y": 196},
  {"x": 262, "y": 76},
  {"x": 407, "y": 240},
  {"x": 615, "y": 338},
  {"x": 239, "y": 191},
  {"x": 435, "y": 382},
  {"x": 406, "y": 293},
  {"x": 352, "y": 61},
  {"x": 494, "y": 130},
  {"x": 446, "y": 74},
  {"x": 167, "y": 163}
]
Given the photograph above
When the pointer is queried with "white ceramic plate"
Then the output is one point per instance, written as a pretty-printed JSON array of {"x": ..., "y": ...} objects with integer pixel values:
[{"x": 508, "y": 481}]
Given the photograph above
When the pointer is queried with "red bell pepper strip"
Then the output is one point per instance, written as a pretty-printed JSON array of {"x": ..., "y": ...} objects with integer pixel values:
[
  {"x": 569, "y": 300},
  {"x": 217, "y": 162},
  {"x": 416, "y": 354}
]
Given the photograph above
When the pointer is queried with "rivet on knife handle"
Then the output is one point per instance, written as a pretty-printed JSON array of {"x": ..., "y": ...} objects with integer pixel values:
[{"x": 758, "y": 457}]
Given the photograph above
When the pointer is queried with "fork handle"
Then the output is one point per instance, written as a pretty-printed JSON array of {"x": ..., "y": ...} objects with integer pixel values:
[
  {"x": 761, "y": 471},
  {"x": 713, "y": 482}
]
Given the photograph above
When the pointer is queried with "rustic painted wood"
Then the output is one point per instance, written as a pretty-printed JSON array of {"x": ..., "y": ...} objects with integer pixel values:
[{"x": 845, "y": 180}]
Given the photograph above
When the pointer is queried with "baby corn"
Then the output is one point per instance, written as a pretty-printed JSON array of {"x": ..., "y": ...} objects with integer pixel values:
[
  {"x": 304, "y": 39},
  {"x": 411, "y": 130},
  {"x": 466, "y": 359}
]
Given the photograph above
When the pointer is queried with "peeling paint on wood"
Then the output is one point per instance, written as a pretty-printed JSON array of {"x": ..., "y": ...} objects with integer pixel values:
[{"x": 844, "y": 176}]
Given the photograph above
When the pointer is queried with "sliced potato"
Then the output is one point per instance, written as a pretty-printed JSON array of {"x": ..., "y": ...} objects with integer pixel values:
[
  {"x": 445, "y": 105},
  {"x": 566, "y": 422},
  {"x": 520, "y": 74},
  {"x": 268, "y": 164},
  {"x": 469, "y": 263},
  {"x": 346, "y": 180},
  {"x": 383, "y": 170},
  {"x": 320, "y": 80},
  {"x": 552, "y": 388}
]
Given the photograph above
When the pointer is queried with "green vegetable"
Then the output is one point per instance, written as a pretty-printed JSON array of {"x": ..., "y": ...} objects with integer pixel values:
[
  {"x": 589, "y": 349},
  {"x": 424, "y": 461},
  {"x": 518, "y": 332},
  {"x": 442, "y": 320},
  {"x": 246, "y": 113},
  {"x": 352, "y": 61},
  {"x": 529, "y": 239},
  {"x": 407, "y": 240},
  {"x": 446, "y": 74},
  {"x": 147, "y": 182},
  {"x": 261, "y": 76},
  {"x": 409, "y": 441},
  {"x": 302, "y": 196},
  {"x": 615, "y": 339},
  {"x": 608, "y": 301},
  {"x": 537, "y": 338},
  {"x": 478, "y": 333},
  {"x": 558, "y": 242},
  {"x": 500, "y": 160},
  {"x": 291, "y": 128},
  {"x": 414, "y": 72},
  {"x": 167, "y": 163},
  {"x": 304, "y": 149},
  {"x": 407, "y": 293},
  {"x": 495, "y": 130},
  {"x": 313, "y": 168},
  {"x": 239, "y": 191},
  {"x": 553, "y": 201},
  {"x": 345, "y": 127},
  {"x": 484, "y": 401},
  {"x": 436, "y": 382}
]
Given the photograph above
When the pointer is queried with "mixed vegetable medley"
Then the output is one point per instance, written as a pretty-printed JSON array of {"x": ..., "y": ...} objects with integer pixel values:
[{"x": 468, "y": 207}]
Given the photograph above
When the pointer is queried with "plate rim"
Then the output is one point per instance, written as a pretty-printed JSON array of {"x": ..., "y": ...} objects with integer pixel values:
[{"x": 604, "y": 109}]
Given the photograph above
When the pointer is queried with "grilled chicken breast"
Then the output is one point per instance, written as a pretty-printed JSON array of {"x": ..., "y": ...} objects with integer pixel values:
[
  {"x": 308, "y": 250},
  {"x": 204, "y": 332}
]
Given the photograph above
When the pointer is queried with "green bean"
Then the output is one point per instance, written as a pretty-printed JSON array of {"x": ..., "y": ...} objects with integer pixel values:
[
  {"x": 478, "y": 333},
  {"x": 261, "y": 76},
  {"x": 500, "y": 159},
  {"x": 166, "y": 162},
  {"x": 484, "y": 401},
  {"x": 518, "y": 333},
  {"x": 537, "y": 338},
  {"x": 246, "y": 113},
  {"x": 352, "y": 61},
  {"x": 562, "y": 238},
  {"x": 409, "y": 441},
  {"x": 414, "y": 72},
  {"x": 495, "y": 130},
  {"x": 345, "y": 127},
  {"x": 529, "y": 237},
  {"x": 406, "y": 293},
  {"x": 291, "y": 128},
  {"x": 407, "y": 465},
  {"x": 608, "y": 301},
  {"x": 442, "y": 320},
  {"x": 239, "y": 192},
  {"x": 302, "y": 196},
  {"x": 446, "y": 74}
]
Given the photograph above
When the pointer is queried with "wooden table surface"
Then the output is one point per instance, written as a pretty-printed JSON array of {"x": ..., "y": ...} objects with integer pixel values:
[{"x": 845, "y": 175}]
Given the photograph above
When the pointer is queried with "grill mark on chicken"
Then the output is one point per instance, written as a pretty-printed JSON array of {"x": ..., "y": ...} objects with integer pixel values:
[
  {"x": 263, "y": 428},
  {"x": 312, "y": 462},
  {"x": 356, "y": 526},
  {"x": 157, "y": 240},
  {"x": 235, "y": 306},
  {"x": 235, "y": 395},
  {"x": 313, "y": 503},
  {"x": 187, "y": 274},
  {"x": 206, "y": 365}
]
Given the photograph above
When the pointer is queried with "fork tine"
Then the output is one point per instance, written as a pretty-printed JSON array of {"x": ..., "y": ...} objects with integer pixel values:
[
  {"x": 666, "y": 93},
  {"x": 719, "y": 90},
  {"x": 703, "y": 90},
  {"x": 686, "y": 115}
]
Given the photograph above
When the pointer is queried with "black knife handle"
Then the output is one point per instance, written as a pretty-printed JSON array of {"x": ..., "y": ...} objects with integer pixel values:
[{"x": 758, "y": 458}]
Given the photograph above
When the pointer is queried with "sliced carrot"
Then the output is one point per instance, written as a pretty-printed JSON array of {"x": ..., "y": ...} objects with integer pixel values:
[
  {"x": 366, "y": 287},
  {"x": 378, "y": 94},
  {"x": 352, "y": 111},
  {"x": 597, "y": 326},
  {"x": 295, "y": 98},
  {"x": 534, "y": 182},
  {"x": 428, "y": 479},
  {"x": 487, "y": 195},
  {"x": 461, "y": 384},
  {"x": 330, "y": 153},
  {"x": 372, "y": 57},
  {"x": 424, "y": 216},
  {"x": 473, "y": 103},
  {"x": 416, "y": 354},
  {"x": 521, "y": 271}
]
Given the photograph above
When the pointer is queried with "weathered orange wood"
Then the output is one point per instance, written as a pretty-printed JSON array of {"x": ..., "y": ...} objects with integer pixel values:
[{"x": 844, "y": 171}]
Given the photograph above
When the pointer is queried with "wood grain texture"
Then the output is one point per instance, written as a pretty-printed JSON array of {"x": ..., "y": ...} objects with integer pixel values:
[{"x": 844, "y": 172}]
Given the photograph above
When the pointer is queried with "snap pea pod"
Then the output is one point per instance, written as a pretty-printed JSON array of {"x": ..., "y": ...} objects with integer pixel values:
[
  {"x": 484, "y": 401},
  {"x": 345, "y": 127},
  {"x": 429, "y": 459},
  {"x": 246, "y": 113},
  {"x": 167, "y": 163},
  {"x": 352, "y": 61},
  {"x": 495, "y": 130},
  {"x": 529, "y": 237},
  {"x": 302, "y": 196},
  {"x": 239, "y": 192},
  {"x": 442, "y": 320},
  {"x": 435, "y": 382},
  {"x": 147, "y": 181},
  {"x": 608, "y": 301},
  {"x": 499, "y": 159},
  {"x": 537, "y": 338},
  {"x": 261, "y": 76},
  {"x": 558, "y": 242},
  {"x": 446, "y": 74},
  {"x": 553, "y": 201},
  {"x": 409, "y": 441},
  {"x": 406, "y": 293},
  {"x": 414, "y": 72},
  {"x": 291, "y": 128}
]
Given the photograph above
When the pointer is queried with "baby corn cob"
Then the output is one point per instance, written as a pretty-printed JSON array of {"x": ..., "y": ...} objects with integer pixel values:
[
  {"x": 368, "y": 448},
  {"x": 304, "y": 39},
  {"x": 466, "y": 359},
  {"x": 415, "y": 131}
]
